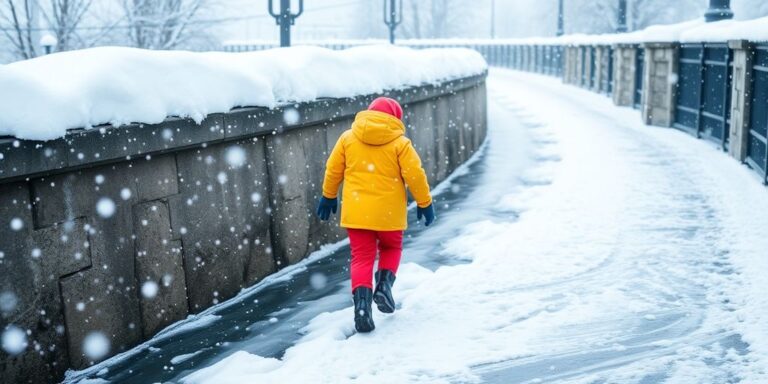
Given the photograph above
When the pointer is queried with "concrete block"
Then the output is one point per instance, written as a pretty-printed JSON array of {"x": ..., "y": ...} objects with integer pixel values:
[
  {"x": 22, "y": 158},
  {"x": 27, "y": 278},
  {"x": 222, "y": 216},
  {"x": 419, "y": 120},
  {"x": 658, "y": 102},
  {"x": 624, "y": 75},
  {"x": 159, "y": 266},
  {"x": 296, "y": 167},
  {"x": 441, "y": 118},
  {"x": 155, "y": 178},
  {"x": 94, "y": 146},
  {"x": 740, "y": 100}
]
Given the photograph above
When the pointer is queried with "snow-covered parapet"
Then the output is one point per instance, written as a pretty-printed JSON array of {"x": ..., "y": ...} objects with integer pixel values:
[{"x": 41, "y": 98}]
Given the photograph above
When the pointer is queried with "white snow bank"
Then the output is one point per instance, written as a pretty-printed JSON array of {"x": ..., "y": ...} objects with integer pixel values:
[
  {"x": 753, "y": 30},
  {"x": 696, "y": 30},
  {"x": 41, "y": 98}
]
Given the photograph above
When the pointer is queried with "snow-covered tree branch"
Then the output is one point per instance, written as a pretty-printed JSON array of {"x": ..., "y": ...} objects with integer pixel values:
[
  {"x": 63, "y": 17},
  {"x": 162, "y": 24},
  {"x": 18, "y": 25}
]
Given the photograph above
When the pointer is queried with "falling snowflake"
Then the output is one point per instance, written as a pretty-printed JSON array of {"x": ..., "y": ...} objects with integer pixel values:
[
  {"x": 17, "y": 224},
  {"x": 167, "y": 134},
  {"x": 14, "y": 340},
  {"x": 105, "y": 207},
  {"x": 125, "y": 193},
  {"x": 80, "y": 306},
  {"x": 235, "y": 156},
  {"x": 36, "y": 252},
  {"x": 99, "y": 179},
  {"x": 291, "y": 116},
  {"x": 255, "y": 197},
  {"x": 282, "y": 179},
  {"x": 95, "y": 345},
  {"x": 222, "y": 177},
  {"x": 318, "y": 281},
  {"x": 149, "y": 289},
  {"x": 8, "y": 302}
]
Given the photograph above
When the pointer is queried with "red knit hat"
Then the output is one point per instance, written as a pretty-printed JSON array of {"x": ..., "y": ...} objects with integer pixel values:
[{"x": 388, "y": 106}]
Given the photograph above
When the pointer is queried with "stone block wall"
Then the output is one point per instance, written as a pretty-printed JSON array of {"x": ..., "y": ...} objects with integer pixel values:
[
  {"x": 740, "y": 99},
  {"x": 659, "y": 82},
  {"x": 624, "y": 75},
  {"x": 120, "y": 231}
]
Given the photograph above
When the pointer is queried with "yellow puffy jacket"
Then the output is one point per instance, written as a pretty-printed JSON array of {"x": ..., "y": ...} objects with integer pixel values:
[{"x": 375, "y": 160}]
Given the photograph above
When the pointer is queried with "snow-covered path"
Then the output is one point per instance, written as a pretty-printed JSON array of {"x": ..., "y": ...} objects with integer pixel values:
[{"x": 589, "y": 249}]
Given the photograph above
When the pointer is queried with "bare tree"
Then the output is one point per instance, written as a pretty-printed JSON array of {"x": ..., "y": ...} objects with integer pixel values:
[
  {"x": 750, "y": 9},
  {"x": 18, "y": 23},
  {"x": 601, "y": 16},
  {"x": 63, "y": 18},
  {"x": 162, "y": 24},
  {"x": 437, "y": 18}
]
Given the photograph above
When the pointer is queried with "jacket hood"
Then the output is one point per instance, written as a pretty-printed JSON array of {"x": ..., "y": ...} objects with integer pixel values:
[{"x": 377, "y": 128}]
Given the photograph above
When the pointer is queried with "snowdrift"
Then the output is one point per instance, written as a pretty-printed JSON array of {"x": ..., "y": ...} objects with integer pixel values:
[{"x": 41, "y": 98}]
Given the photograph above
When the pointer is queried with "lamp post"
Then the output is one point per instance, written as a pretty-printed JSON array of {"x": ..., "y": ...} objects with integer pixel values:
[
  {"x": 48, "y": 42},
  {"x": 718, "y": 10},
  {"x": 392, "y": 17},
  {"x": 560, "y": 21},
  {"x": 622, "y": 24},
  {"x": 285, "y": 19}
]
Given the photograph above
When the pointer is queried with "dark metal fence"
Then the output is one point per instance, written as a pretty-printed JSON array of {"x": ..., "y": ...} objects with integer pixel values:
[
  {"x": 704, "y": 91},
  {"x": 592, "y": 67},
  {"x": 639, "y": 66},
  {"x": 757, "y": 151},
  {"x": 608, "y": 78}
]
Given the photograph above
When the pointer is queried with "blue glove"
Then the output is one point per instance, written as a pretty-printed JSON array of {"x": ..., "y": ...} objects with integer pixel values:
[
  {"x": 428, "y": 213},
  {"x": 325, "y": 206}
]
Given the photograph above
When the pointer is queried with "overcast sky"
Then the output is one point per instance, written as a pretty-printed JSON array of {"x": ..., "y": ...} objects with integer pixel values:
[{"x": 342, "y": 18}]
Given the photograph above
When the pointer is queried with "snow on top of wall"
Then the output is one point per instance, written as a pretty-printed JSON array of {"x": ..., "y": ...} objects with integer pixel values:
[
  {"x": 41, "y": 98},
  {"x": 752, "y": 30}
]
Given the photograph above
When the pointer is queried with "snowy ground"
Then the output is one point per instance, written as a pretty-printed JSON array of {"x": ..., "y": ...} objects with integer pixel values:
[{"x": 582, "y": 247}]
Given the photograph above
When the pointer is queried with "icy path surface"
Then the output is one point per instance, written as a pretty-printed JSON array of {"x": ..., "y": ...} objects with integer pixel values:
[{"x": 582, "y": 247}]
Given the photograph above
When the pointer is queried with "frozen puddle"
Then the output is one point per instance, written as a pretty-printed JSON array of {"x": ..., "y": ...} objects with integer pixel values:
[{"x": 582, "y": 247}]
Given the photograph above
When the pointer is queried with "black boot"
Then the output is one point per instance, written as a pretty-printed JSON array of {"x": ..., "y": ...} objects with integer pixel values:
[
  {"x": 383, "y": 294},
  {"x": 363, "y": 315}
]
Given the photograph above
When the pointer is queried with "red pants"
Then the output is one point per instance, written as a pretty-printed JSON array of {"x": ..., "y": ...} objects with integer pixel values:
[{"x": 364, "y": 244}]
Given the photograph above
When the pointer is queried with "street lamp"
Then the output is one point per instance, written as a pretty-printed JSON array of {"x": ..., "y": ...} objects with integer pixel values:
[
  {"x": 622, "y": 25},
  {"x": 48, "y": 42},
  {"x": 718, "y": 10},
  {"x": 560, "y": 21},
  {"x": 392, "y": 17},
  {"x": 285, "y": 19}
]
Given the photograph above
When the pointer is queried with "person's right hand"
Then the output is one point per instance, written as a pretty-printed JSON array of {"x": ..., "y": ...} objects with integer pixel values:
[{"x": 428, "y": 212}]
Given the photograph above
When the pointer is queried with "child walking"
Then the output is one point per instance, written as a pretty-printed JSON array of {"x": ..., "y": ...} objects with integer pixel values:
[{"x": 376, "y": 161}]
